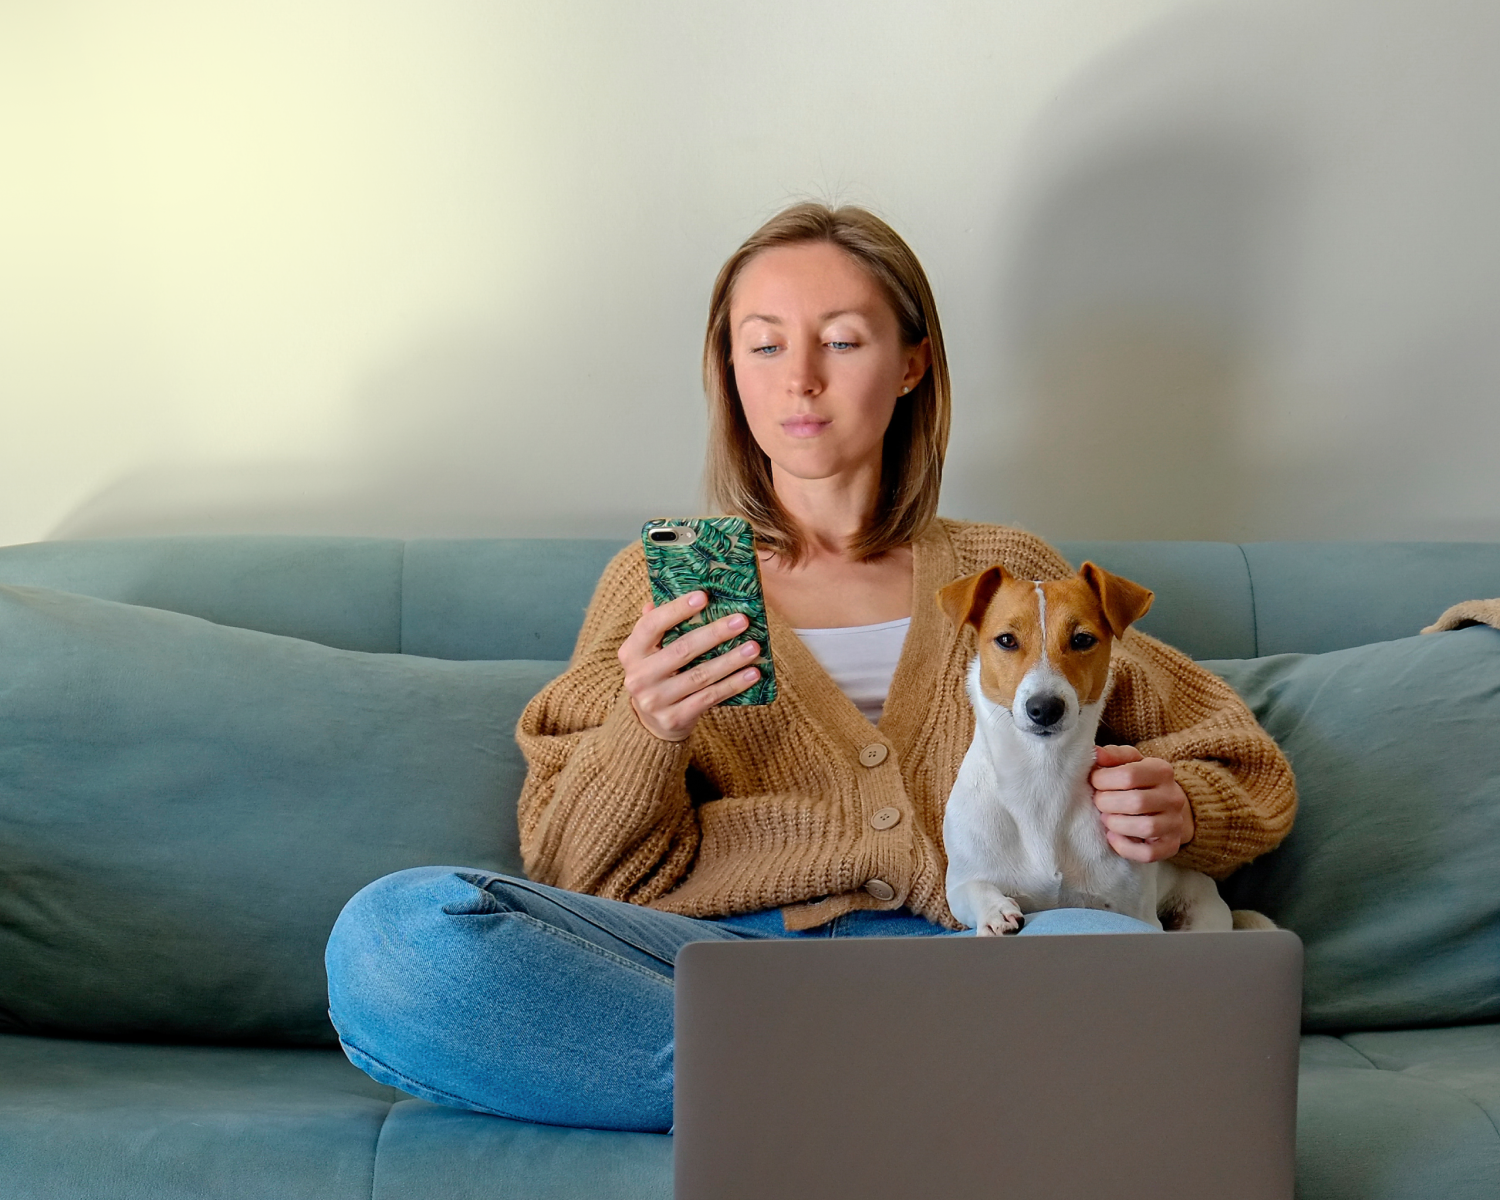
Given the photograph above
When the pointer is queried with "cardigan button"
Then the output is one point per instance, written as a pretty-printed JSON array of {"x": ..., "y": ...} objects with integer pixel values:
[
  {"x": 884, "y": 818},
  {"x": 880, "y": 889},
  {"x": 873, "y": 754}
]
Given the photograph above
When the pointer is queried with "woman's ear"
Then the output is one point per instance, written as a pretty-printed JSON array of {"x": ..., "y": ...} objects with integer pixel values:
[{"x": 918, "y": 360}]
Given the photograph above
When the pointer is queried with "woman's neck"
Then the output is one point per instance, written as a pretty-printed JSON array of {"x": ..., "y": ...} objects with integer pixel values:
[
  {"x": 829, "y": 513},
  {"x": 828, "y": 587}
]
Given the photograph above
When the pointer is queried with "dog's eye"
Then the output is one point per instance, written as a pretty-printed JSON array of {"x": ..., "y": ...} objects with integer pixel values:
[
  {"x": 1007, "y": 641},
  {"x": 1084, "y": 641}
]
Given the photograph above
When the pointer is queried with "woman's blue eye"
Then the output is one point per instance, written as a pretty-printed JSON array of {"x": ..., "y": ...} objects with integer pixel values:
[
  {"x": 763, "y": 351},
  {"x": 841, "y": 345}
]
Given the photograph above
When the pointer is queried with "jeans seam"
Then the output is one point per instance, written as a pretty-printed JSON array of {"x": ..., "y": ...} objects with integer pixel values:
[
  {"x": 601, "y": 951},
  {"x": 582, "y": 916}
]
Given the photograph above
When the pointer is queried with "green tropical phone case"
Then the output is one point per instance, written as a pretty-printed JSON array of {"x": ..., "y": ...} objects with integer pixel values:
[{"x": 719, "y": 558}]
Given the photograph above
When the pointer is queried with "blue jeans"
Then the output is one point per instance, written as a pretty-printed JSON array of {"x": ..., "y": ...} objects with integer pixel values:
[{"x": 486, "y": 992}]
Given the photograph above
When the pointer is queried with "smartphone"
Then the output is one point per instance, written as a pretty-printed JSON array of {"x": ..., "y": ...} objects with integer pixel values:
[{"x": 715, "y": 555}]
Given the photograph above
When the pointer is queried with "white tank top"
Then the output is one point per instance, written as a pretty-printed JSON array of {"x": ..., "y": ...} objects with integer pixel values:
[{"x": 861, "y": 659}]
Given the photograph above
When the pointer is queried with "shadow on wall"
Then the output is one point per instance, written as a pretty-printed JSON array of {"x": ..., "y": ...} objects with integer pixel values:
[
  {"x": 1138, "y": 286},
  {"x": 1250, "y": 293}
]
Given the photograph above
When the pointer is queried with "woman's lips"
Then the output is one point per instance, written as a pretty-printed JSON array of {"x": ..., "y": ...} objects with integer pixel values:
[{"x": 805, "y": 427}]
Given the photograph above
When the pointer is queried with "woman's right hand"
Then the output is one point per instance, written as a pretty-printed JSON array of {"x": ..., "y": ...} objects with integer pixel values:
[{"x": 667, "y": 700}]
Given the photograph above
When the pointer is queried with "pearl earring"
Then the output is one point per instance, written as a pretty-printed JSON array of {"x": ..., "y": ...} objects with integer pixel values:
[{"x": 905, "y": 390}]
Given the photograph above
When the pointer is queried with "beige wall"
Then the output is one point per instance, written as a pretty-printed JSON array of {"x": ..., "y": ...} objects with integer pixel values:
[{"x": 1207, "y": 270}]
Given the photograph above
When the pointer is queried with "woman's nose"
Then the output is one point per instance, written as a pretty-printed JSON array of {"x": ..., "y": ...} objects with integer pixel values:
[{"x": 803, "y": 376}]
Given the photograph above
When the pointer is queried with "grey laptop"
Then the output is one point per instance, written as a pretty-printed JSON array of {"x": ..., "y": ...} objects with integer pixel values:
[{"x": 1089, "y": 1067}]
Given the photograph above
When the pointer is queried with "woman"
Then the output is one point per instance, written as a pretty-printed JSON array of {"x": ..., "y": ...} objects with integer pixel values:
[{"x": 651, "y": 817}]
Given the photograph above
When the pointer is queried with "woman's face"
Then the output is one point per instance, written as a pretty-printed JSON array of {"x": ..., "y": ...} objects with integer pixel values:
[{"x": 818, "y": 359}]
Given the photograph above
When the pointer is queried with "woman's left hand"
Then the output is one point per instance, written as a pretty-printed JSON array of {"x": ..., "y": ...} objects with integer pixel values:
[{"x": 1147, "y": 816}]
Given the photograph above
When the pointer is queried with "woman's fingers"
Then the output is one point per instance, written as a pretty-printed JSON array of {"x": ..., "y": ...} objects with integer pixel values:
[
  {"x": 707, "y": 674},
  {"x": 1144, "y": 828},
  {"x": 669, "y": 696},
  {"x": 700, "y": 641},
  {"x": 1145, "y": 811},
  {"x": 1113, "y": 756},
  {"x": 672, "y": 708},
  {"x": 647, "y": 666},
  {"x": 1141, "y": 774},
  {"x": 654, "y": 623},
  {"x": 1138, "y": 851},
  {"x": 716, "y": 693},
  {"x": 655, "y": 620}
]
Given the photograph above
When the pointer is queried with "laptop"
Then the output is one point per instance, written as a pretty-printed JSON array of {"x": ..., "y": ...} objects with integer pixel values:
[{"x": 1088, "y": 1067}]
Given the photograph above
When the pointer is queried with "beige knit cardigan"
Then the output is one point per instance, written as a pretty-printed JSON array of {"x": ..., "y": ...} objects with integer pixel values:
[{"x": 791, "y": 804}]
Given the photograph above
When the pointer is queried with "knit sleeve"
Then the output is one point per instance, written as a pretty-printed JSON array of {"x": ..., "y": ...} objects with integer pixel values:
[
  {"x": 1235, "y": 776},
  {"x": 605, "y": 807}
]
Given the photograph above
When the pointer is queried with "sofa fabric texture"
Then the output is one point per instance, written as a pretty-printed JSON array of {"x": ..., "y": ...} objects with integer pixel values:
[
  {"x": 208, "y": 744},
  {"x": 1389, "y": 874},
  {"x": 185, "y": 807}
]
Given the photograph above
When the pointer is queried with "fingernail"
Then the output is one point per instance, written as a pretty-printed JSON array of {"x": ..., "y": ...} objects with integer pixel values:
[
  {"x": 696, "y": 599},
  {"x": 749, "y": 650},
  {"x": 738, "y": 621},
  {"x": 750, "y": 674}
]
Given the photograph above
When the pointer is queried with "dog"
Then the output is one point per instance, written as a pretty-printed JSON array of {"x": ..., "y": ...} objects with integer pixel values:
[{"x": 1021, "y": 830}]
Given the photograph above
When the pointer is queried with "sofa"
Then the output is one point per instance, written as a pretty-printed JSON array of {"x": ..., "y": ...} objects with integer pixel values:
[{"x": 208, "y": 744}]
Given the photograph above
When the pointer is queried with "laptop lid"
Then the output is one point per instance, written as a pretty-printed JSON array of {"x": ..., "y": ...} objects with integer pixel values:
[{"x": 1096, "y": 1065}]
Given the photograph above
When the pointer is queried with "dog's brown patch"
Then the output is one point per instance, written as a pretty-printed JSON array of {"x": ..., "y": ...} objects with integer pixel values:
[{"x": 1084, "y": 614}]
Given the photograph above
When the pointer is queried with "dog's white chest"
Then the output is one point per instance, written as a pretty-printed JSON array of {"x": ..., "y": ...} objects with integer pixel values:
[
  {"x": 1037, "y": 837},
  {"x": 1021, "y": 823}
]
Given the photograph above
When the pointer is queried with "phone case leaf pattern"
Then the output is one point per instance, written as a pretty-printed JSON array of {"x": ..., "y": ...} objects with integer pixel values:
[{"x": 722, "y": 562}]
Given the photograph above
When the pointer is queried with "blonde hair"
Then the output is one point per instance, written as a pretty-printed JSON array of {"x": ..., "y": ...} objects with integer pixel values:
[{"x": 738, "y": 476}]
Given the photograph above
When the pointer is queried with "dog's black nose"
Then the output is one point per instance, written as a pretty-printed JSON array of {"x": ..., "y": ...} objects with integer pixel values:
[{"x": 1045, "y": 710}]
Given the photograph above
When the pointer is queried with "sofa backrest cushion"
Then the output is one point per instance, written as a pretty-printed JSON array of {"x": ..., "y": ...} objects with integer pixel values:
[
  {"x": 460, "y": 598},
  {"x": 340, "y": 591},
  {"x": 185, "y": 807},
  {"x": 524, "y": 597},
  {"x": 498, "y": 597},
  {"x": 1222, "y": 600},
  {"x": 1391, "y": 874}
]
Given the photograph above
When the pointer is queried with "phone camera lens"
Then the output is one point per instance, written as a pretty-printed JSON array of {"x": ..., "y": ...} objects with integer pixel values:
[{"x": 663, "y": 535}]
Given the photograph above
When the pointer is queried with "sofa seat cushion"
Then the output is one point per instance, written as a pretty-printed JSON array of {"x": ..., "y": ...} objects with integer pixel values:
[
  {"x": 446, "y": 1154},
  {"x": 96, "y": 1119},
  {"x": 1381, "y": 1116},
  {"x": 185, "y": 807},
  {"x": 1402, "y": 1115},
  {"x": 1389, "y": 874}
]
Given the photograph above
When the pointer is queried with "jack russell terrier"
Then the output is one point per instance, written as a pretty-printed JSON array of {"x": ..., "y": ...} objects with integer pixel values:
[{"x": 1021, "y": 830}]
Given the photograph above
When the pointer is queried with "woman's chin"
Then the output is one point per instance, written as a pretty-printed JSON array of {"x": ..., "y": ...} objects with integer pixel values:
[{"x": 809, "y": 464}]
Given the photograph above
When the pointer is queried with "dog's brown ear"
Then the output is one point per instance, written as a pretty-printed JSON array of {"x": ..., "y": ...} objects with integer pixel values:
[
  {"x": 964, "y": 600},
  {"x": 1123, "y": 602}
]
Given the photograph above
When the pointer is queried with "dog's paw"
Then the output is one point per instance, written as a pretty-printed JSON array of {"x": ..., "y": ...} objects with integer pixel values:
[
  {"x": 1000, "y": 922},
  {"x": 1248, "y": 918}
]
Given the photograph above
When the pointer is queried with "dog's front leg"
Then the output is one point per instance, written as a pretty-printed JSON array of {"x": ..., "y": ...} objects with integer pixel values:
[
  {"x": 985, "y": 908},
  {"x": 1194, "y": 900}
]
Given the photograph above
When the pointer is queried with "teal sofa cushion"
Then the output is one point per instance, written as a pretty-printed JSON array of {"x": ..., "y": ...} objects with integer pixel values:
[
  {"x": 498, "y": 597},
  {"x": 450, "y": 1154},
  {"x": 340, "y": 591},
  {"x": 185, "y": 807},
  {"x": 1404, "y": 1115},
  {"x": 86, "y": 1120},
  {"x": 1390, "y": 873}
]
